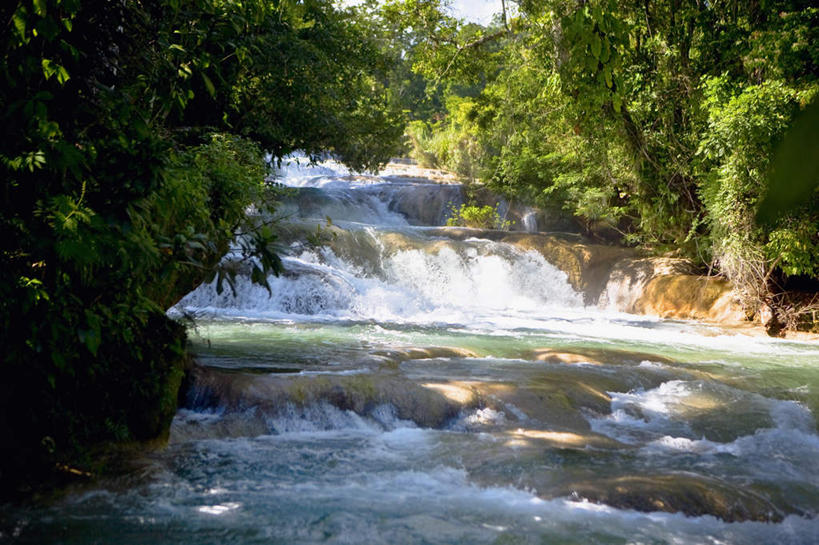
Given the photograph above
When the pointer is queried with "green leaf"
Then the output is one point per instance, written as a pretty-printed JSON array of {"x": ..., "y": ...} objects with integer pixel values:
[
  {"x": 596, "y": 46},
  {"x": 40, "y": 7},
  {"x": 141, "y": 128},
  {"x": 48, "y": 68},
  {"x": 20, "y": 22},
  {"x": 303, "y": 25},
  {"x": 794, "y": 177},
  {"x": 605, "y": 54},
  {"x": 209, "y": 85},
  {"x": 62, "y": 75}
]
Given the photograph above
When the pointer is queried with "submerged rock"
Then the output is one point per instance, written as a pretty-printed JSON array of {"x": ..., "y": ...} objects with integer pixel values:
[
  {"x": 549, "y": 407},
  {"x": 276, "y": 394},
  {"x": 692, "y": 495},
  {"x": 597, "y": 356}
]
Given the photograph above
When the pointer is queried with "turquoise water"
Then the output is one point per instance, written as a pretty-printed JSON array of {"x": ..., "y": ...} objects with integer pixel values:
[{"x": 443, "y": 391}]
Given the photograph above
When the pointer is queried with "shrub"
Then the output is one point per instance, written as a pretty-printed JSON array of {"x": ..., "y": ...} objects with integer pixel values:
[
  {"x": 745, "y": 127},
  {"x": 478, "y": 217}
]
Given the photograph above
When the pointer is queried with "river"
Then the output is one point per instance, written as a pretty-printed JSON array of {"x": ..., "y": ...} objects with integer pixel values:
[{"x": 405, "y": 386}]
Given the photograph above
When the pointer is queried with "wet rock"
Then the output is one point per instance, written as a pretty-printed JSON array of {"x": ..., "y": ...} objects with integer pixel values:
[
  {"x": 586, "y": 265},
  {"x": 689, "y": 297},
  {"x": 362, "y": 394},
  {"x": 244, "y": 424},
  {"x": 560, "y": 439},
  {"x": 554, "y": 401},
  {"x": 425, "y": 204},
  {"x": 537, "y": 404},
  {"x": 689, "y": 494},
  {"x": 397, "y": 356},
  {"x": 597, "y": 356},
  {"x": 629, "y": 277}
]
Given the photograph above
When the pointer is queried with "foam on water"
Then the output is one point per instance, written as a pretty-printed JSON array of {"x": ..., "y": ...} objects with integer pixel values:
[
  {"x": 298, "y": 171},
  {"x": 673, "y": 405},
  {"x": 476, "y": 284},
  {"x": 359, "y": 487},
  {"x": 487, "y": 294},
  {"x": 289, "y": 420},
  {"x": 784, "y": 447},
  {"x": 452, "y": 285},
  {"x": 325, "y": 417},
  {"x": 283, "y": 472}
]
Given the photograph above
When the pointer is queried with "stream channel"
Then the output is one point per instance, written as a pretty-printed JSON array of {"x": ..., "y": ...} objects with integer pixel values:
[{"x": 405, "y": 386}]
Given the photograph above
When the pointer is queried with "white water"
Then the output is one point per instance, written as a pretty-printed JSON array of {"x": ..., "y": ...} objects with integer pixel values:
[
  {"x": 389, "y": 301},
  {"x": 471, "y": 283},
  {"x": 530, "y": 222}
]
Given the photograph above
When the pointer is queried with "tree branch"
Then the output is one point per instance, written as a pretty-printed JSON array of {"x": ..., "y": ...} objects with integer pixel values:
[{"x": 470, "y": 45}]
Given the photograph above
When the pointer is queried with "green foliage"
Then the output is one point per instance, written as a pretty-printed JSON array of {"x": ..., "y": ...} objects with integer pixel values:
[
  {"x": 290, "y": 75},
  {"x": 201, "y": 206},
  {"x": 441, "y": 48},
  {"x": 794, "y": 247},
  {"x": 477, "y": 217},
  {"x": 744, "y": 128},
  {"x": 794, "y": 177},
  {"x": 452, "y": 145},
  {"x": 657, "y": 118},
  {"x": 131, "y": 153}
]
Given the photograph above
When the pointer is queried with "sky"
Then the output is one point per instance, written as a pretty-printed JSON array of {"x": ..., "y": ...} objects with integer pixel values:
[{"x": 477, "y": 11}]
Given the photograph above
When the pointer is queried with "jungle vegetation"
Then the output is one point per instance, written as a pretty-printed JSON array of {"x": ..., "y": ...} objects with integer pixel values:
[
  {"x": 662, "y": 120},
  {"x": 133, "y": 142},
  {"x": 135, "y": 134}
]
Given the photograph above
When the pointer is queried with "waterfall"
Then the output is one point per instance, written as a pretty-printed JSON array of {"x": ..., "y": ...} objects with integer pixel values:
[
  {"x": 406, "y": 382},
  {"x": 530, "y": 222},
  {"x": 439, "y": 280},
  {"x": 383, "y": 265}
]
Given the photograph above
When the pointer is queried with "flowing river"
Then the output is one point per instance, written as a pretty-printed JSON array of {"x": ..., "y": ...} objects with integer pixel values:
[{"x": 406, "y": 385}]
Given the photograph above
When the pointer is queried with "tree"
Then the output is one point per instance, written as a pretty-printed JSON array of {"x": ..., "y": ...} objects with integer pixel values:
[
  {"x": 657, "y": 118},
  {"x": 133, "y": 137}
]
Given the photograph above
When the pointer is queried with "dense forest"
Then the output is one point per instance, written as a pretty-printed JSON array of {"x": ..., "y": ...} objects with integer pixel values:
[
  {"x": 136, "y": 136},
  {"x": 133, "y": 144},
  {"x": 658, "y": 122}
]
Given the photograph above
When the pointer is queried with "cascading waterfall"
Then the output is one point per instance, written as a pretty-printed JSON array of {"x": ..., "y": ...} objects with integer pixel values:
[
  {"x": 454, "y": 282},
  {"x": 401, "y": 384}
]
